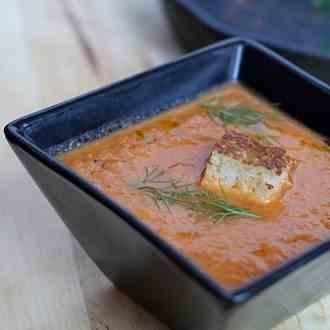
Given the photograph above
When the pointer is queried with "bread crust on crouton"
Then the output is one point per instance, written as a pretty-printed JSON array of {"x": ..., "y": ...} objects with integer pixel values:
[{"x": 248, "y": 171}]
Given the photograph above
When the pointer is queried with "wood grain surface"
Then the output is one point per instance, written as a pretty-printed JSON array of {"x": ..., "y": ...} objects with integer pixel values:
[{"x": 52, "y": 50}]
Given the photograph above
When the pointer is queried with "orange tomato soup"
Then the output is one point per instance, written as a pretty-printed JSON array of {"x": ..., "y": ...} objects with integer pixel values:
[{"x": 236, "y": 249}]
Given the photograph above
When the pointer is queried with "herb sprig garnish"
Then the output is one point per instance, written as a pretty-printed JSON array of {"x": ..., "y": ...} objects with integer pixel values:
[
  {"x": 234, "y": 115},
  {"x": 322, "y": 4},
  {"x": 165, "y": 191}
]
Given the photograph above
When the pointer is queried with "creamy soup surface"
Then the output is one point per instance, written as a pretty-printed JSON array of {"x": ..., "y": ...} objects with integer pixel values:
[{"x": 176, "y": 146}]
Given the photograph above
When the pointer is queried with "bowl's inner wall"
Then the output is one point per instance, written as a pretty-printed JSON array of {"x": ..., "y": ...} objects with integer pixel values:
[
  {"x": 121, "y": 105},
  {"x": 95, "y": 115},
  {"x": 284, "y": 87}
]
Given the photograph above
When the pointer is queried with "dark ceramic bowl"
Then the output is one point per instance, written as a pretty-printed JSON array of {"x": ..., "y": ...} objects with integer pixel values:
[
  {"x": 136, "y": 259},
  {"x": 295, "y": 28}
]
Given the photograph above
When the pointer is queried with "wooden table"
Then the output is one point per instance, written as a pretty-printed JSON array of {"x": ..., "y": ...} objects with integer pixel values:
[{"x": 52, "y": 50}]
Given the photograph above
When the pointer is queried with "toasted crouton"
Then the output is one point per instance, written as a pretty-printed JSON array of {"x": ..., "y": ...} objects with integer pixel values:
[{"x": 248, "y": 171}]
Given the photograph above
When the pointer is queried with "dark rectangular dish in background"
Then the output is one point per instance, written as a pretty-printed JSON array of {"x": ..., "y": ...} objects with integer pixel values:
[
  {"x": 137, "y": 260},
  {"x": 296, "y": 29}
]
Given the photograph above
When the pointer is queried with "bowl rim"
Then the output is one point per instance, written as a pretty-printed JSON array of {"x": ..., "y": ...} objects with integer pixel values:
[
  {"x": 218, "y": 26},
  {"x": 13, "y": 132}
]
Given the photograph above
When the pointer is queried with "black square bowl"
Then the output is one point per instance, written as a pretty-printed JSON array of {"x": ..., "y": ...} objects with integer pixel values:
[{"x": 137, "y": 260}]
